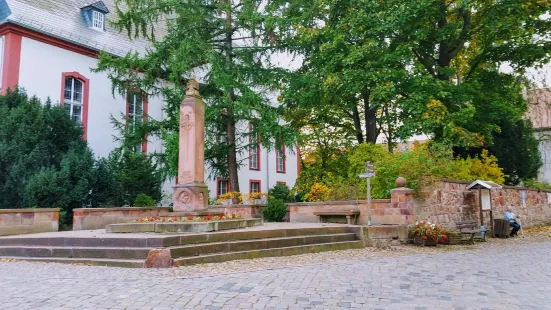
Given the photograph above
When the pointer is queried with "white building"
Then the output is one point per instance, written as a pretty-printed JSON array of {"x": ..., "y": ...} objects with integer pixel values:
[{"x": 49, "y": 47}]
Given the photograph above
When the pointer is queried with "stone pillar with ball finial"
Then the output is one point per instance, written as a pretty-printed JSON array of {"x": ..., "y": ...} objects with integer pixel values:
[
  {"x": 190, "y": 193},
  {"x": 402, "y": 198}
]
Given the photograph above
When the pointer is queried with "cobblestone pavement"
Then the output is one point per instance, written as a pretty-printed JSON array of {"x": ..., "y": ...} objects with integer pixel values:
[{"x": 498, "y": 276}]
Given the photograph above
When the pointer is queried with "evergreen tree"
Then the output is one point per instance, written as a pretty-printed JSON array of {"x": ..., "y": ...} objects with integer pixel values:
[
  {"x": 226, "y": 42},
  {"x": 44, "y": 162},
  {"x": 516, "y": 149}
]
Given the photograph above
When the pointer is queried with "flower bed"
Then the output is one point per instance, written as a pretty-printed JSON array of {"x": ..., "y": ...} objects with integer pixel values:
[
  {"x": 208, "y": 218},
  {"x": 426, "y": 233}
]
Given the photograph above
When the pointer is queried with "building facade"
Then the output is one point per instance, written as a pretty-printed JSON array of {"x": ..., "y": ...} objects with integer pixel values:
[{"x": 49, "y": 48}]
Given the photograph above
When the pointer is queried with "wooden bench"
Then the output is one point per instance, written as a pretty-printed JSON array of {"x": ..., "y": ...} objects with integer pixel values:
[
  {"x": 349, "y": 214},
  {"x": 470, "y": 227}
]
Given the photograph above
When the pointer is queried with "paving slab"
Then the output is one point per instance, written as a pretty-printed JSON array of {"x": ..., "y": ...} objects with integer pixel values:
[{"x": 499, "y": 276}]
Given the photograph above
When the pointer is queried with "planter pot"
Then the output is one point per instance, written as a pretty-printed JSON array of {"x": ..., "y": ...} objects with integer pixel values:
[
  {"x": 453, "y": 240},
  {"x": 258, "y": 201},
  {"x": 422, "y": 242}
]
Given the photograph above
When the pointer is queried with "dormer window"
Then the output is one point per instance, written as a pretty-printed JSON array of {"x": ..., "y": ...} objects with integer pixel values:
[
  {"x": 94, "y": 15},
  {"x": 97, "y": 20}
]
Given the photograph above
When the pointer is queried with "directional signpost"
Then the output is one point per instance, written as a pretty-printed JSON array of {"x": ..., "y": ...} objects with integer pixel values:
[{"x": 369, "y": 173}]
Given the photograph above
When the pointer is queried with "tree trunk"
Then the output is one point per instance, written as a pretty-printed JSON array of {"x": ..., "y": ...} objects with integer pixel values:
[
  {"x": 390, "y": 133},
  {"x": 357, "y": 124},
  {"x": 443, "y": 61},
  {"x": 370, "y": 119},
  {"x": 232, "y": 154},
  {"x": 230, "y": 122}
]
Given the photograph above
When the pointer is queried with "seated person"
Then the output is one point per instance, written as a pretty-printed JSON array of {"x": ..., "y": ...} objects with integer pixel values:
[{"x": 512, "y": 218}]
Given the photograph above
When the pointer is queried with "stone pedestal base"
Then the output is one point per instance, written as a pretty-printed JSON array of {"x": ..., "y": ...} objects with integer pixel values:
[
  {"x": 181, "y": 214},
  {"x": 191, "y": 197}
]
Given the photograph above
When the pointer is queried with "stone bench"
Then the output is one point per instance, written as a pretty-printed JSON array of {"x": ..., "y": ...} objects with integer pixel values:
[{"x": 348, "y": 215}]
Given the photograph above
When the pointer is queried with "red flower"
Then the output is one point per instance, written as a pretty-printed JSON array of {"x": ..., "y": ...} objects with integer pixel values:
[
  {"x": 233, "y": 216},
  {"x": 190, "y": 218},
  {"x": 221, "y": 215}
]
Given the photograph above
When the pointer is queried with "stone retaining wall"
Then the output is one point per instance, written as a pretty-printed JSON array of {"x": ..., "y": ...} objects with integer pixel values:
[
  {"x": 448, "y": 201},
  {"x": 246, "y": 211},
  {"x": 98, "y": 218},
  {"x": 28, "y": 221},
  {"x": 397, "y": 210}
]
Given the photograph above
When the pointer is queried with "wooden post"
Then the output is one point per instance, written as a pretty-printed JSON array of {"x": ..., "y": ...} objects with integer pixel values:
[
  {"x": 491, "y": 213},
  {"x": 480, "y": 205}
]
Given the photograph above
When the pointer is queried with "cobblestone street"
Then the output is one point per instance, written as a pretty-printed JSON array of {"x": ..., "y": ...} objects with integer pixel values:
[{"x": 514, "y": 276}]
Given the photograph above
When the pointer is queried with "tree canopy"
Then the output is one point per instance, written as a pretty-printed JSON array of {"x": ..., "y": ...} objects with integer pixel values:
[
  {"x": 44, "y": 162},
  {"x": 227, "y": 45},
  {"x": 423, "y": 66}
]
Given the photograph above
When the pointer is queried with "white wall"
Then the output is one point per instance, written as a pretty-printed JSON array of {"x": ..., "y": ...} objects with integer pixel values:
[
  {"x": 40, "y": 74},
  {"x": 267, "y": 174},
  {"x": 544, "y": 138}
]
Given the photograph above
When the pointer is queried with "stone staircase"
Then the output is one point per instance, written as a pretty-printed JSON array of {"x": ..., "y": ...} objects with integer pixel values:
[{"x": 126, "y": 251}]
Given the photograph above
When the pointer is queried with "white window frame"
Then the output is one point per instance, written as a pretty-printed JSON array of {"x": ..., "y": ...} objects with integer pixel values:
[
  {"x": 71, "y": 102},
  {"x": 98, "y": 20},
  {"x": 280, "y": 160},
  {"x": 254, "y": 151},
  {"x": 255, "y": 183},
  {"x": 222, "y": 189},
  {"x": 134, "y": 115}
]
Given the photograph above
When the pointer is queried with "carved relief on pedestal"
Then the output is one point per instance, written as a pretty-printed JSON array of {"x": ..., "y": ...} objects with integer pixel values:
[
  {"x": 187, "y": 122},
  {"x": 185, "y": 197},
  {"x": 201, "y": 198}
]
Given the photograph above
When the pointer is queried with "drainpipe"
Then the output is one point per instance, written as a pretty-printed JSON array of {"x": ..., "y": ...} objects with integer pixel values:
[{"x": 267, "y": 171}]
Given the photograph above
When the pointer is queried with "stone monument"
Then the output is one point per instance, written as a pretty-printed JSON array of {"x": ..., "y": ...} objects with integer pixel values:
[{"x": 190, "y": 192}]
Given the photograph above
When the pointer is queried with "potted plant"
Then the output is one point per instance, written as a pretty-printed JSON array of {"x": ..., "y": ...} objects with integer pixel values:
[
  {"x": 230, "y": 198},
  {"x": 453, "y": 238},
  {"x": 427, "y": 234},
  {"x": 255, "y": 198}
]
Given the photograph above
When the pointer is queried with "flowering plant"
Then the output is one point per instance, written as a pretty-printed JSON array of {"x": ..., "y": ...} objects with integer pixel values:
[
  {"x": 236, "y": 198},
  {"x": 427, "y": 231},
  {"x": 251, "y": 197},
  {"x": 208, "y": 218}
]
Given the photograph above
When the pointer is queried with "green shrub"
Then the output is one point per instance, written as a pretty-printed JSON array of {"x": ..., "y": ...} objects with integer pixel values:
[
  {"x": 423, "y": 164},
  {"x": 142, "y": 200},
  {"x": 274, "y": 211},
  {"x": 44, "y": 162},
  {"x": 281, "y": 192},
  {"x": 135, "y": 173}
]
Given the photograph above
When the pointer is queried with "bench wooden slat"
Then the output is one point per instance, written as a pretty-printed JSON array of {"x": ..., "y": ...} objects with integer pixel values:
[
  {"x": 336, "y": 212},
  {"x": 348, "y": 213}
]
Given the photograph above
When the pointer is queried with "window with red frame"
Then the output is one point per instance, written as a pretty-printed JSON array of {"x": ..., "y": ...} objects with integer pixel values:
[
  {"x": 222, "y": 187},
  {"x": 254, "y": 150},
  {"x": 254, "y": 186},
  {"x": 73, "y": 93},
  {"x": 136, "y": 108},
  {"x": 74, "y": 97},
  {"x": 280, "y": 160}
]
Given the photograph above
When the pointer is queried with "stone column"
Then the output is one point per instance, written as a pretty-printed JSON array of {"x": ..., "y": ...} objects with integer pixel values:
[{"x": 191, "y": 194}]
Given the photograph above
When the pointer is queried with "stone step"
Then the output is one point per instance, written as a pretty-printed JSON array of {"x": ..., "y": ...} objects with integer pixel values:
[
  {"x": 285, "y": 251},
  {"x": 119, "y": 242},
  {"x": 75, "y": 252},
  {"x": 254, "y": 235},
  {"x": 127, "y": 263},
  {"x": 256, "y": 244},
  {"x": 158, "y": 241}
]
